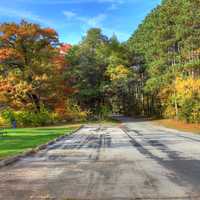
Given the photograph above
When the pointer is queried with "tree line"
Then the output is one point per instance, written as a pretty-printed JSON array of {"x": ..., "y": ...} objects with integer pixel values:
[
  {"x": 155, "y": 73},
  {"x": 168, "y": 47}
]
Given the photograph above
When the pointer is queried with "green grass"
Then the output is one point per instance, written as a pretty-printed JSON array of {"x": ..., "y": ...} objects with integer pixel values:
[{"x": 20, "y": 140}]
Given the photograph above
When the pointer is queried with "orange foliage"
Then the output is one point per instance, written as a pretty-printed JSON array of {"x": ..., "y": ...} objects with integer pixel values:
[
  {"x": 49, "y": 32},
  {"x": 8, "y": 53}
]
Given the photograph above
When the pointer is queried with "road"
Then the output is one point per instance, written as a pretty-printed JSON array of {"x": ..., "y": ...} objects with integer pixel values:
[{"x": 135, "y": 160}]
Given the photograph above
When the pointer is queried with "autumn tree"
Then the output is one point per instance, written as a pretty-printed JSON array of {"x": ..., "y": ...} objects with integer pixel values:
[{"x": 27, "y": 72}]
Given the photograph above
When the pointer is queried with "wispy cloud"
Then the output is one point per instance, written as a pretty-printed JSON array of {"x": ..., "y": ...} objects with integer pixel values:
[
  {"x": 93, "y": 21},
  {"x": 69, "y": 14},
  {"x": 90, "y": 21},
  {"x": 96, "y": 21},
  {"x": 22, "y": 14}
]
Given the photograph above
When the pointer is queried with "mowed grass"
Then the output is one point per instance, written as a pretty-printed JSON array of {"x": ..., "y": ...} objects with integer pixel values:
[{"x": 20, "y": 140}]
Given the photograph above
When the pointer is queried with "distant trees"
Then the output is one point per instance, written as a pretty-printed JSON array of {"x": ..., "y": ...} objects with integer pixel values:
[
  {"x": 148, "y": 74},
  {"x": 98, "y": 66},
  {"x": 87, "y": 66}
]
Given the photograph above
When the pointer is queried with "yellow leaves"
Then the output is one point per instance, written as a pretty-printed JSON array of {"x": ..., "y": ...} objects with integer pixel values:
[
  {"x": 169, "y": 111},
  {"x": 117, "y": 73},
  {"x": 23, "y": 87},
  {"x": 43, "y": 77},
  {"x": 14, "y": 85},
  {"x": 183, "y": 99},
  {"x": 187, "y": 87},
  {"x": 2, "y": 121}
]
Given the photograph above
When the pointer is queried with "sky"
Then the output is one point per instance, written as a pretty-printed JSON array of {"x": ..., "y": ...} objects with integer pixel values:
[{"x": 72, "y": 18}]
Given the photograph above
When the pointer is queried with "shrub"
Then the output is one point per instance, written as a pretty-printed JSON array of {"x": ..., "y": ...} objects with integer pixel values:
[
  {"x": 8, "y": 116},
  {"x": 70, "y": 111},
  {"x": 29, "y": 118},
  {"x": 104, "y": 111}
]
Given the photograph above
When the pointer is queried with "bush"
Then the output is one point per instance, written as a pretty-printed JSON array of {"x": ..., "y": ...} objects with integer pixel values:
[
  {"x": 104, "y": 111},
  {"x": 3, "y": 122},
  {"x": 70, "y": 111},
  {"x": 29, "y": 118},
  {"x": 190, "y": 111},
  {"x": 8, "y": 116}
]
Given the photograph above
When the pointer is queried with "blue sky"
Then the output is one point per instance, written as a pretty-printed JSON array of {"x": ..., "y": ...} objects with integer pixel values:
[{"x": 72, "y": 18}]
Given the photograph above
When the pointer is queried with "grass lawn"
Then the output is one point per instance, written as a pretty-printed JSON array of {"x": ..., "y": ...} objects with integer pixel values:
[
  {"x": 23, "y": 139},
  {"x": 174, "y": 124}
]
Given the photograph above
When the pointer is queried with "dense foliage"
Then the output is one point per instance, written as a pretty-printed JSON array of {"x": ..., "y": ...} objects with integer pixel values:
[
  {"x": 99, "y": 69},
  {"x": 155, "y": 73},
  {"x": 168, "y": 46},
  {"x": 32, "y": 83}
]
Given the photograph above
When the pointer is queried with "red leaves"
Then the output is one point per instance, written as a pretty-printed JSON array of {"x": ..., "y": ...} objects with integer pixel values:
[
  {"x": 4, "y": 86},
  {"x": 60, "y": 60},
  {"x": 64, "y": 48},
  {"x": 8, "y": 53}
]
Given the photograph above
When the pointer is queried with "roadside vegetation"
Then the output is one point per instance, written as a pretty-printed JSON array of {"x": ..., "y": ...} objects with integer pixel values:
[
  {"x": 155, "y": 73},
  {"x": 179, "y": 125}
]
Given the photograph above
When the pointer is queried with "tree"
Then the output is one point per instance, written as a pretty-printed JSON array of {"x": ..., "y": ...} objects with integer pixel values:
[
  {"x": 166, "y": 44},
  {"x": 26, "y": 54},
  {"x": 87, "y": 69}
]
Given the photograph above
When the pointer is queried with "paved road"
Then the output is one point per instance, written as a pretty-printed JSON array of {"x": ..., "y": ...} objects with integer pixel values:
[{"x": 134, "y": 161}]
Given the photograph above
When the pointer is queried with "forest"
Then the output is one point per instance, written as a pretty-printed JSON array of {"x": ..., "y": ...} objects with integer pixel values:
[{"x": 156, "y": 73}]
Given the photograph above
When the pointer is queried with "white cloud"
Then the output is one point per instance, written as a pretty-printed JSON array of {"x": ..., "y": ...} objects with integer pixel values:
[
  {"x": 89, "y": 21},
  {"x": 96, "y": 21},
  {"x": 113, "y": 7},
  {"x": 69, "y": 14},
  {"x": 93, "y": 21}
]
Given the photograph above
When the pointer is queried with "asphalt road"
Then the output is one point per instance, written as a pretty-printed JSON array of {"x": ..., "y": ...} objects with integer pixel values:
[{"x": 134, "y": 161}]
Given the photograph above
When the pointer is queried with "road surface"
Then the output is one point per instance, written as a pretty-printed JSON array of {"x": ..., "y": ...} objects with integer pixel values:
[{"x": 135, "y": 160}]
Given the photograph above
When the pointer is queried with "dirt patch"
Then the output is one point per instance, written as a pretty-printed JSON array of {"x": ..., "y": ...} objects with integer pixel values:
[{"x": 182, "y": 126}]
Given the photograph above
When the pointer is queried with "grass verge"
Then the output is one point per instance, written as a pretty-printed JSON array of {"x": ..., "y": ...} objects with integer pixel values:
[
  {"x": 174, "y": 124},
  {"x": 20, "y": 140}
]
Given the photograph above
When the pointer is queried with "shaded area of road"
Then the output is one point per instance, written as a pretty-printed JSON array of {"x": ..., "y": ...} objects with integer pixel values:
[{"x": 134, "y": 161}]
